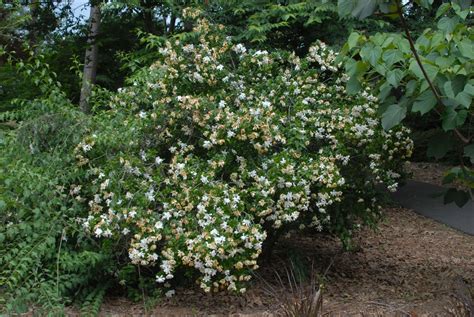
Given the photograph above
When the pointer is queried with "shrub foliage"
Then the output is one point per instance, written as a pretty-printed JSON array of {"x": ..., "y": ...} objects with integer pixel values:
[{"x": 217, "y": 147}]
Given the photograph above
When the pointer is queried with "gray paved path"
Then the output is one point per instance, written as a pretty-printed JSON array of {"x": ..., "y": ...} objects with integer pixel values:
[{"x": 419, "y": 197}]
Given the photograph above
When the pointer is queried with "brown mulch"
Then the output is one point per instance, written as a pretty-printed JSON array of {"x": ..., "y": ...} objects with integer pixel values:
[
  {"x": 409, "y": 266},
  {"x": 432, "y": 173}
]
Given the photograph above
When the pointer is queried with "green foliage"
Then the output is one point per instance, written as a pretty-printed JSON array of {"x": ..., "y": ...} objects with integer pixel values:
[
  {"x": 12, "y": 17},
  {"x": 442, "y": 84},
  {"x": 267, "y": 16},
  {"x": 216, "y": 146},
  {"x": 292, "y": 25},
  {"x": 45, "y": 258},
  {"x": 393, "y": 116},
  {"x": 14, "y": 85},
  {"x": 91, "y": 304},
  {"x": 211, "y": 146}
]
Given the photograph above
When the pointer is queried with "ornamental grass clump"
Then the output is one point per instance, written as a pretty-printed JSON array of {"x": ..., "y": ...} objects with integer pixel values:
[{"x": 216, "y": 146}]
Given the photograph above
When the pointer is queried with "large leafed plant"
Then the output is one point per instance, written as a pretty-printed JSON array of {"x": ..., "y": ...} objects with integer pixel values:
[{"x": 430, "y": 75}]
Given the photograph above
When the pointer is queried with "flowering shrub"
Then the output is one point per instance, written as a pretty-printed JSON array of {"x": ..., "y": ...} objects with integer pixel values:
[{"x": 216, "y": 145}]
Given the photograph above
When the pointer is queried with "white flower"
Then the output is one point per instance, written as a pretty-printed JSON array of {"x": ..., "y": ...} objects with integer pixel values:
[
  {"x": 86, "y": 147},
  {"x": 207, "y": 144},
  {"x": 158, "y": 160},
  {"x": 160, "y": 279},
  {"x": 105, "y": 184},
  {"x": 240, "y": 49},
  {"x": 150, "y": 194},
  {"x": 198, "y": 77}
]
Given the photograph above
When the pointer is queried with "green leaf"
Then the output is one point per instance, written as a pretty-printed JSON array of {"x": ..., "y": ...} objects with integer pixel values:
[
  {"x": 404, "y": 45},
  {"x": 458, "y": 83},
  {"x": 448, "y": 24},
  {"x": 464, "y": 99},
  {"x": 453, "y": 119},
  {"x": 423, "y": 42},
  {"x": 443, "y": 9},
  {"x": 448, "y": 89},
  {"x": 364, "y": 8},
  {"x": 345, "y": 7},
  {"x": 410, "y": 87},
  {"x": 461, "y": 13},
  {"x": 444, "y": 62},
  {"x": 353, "y": 40},
  {"x": 393, "y": 116},
  {"x": 387, "y": 41},
  {"x": 469, "y": 89},
  {"x": 356, "y": 68},
  {"x": 388, "y": 7},
  {"x": 439, "y": 145},
  {"x": 384, "y": 91},
  {"x": 394, "y": 77},
  {"x": 464, "y": 4},
  {"x": 431, "y": 70},
  {"x": 425, "y": 3},
  {"x": 451, "y": 175},
  {"x": 466, "y": 48},
  {"x": 459, "y": 197},
  {"x": 469, "y": 152},
  {"x": 424, "y": 103},
  {"x": 371, "y": 54},
  {"x": 381, "y": 69},
  {"x": 353, "y": 85},
  {"x": 392, "y": 56},
  {"x": 437, "y": 41}
]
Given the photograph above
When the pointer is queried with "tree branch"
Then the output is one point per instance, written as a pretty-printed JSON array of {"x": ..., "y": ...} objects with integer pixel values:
[{"x": 464, "y": 139}]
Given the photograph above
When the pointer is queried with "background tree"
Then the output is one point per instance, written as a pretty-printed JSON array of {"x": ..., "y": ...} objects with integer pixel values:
[{"x": 91, "y": 57}]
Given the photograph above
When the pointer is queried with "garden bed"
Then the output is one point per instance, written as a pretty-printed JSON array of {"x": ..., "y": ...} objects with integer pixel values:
[{"x": 411, "y": 264}]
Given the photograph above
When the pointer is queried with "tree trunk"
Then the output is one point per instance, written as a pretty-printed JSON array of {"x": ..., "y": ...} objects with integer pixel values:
[
  {"x": 147, "y": 11},
  {"x": 32, "y": 36},
  {"x": 90, "y": 61},
  {"x": 172, "y": 23}
]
